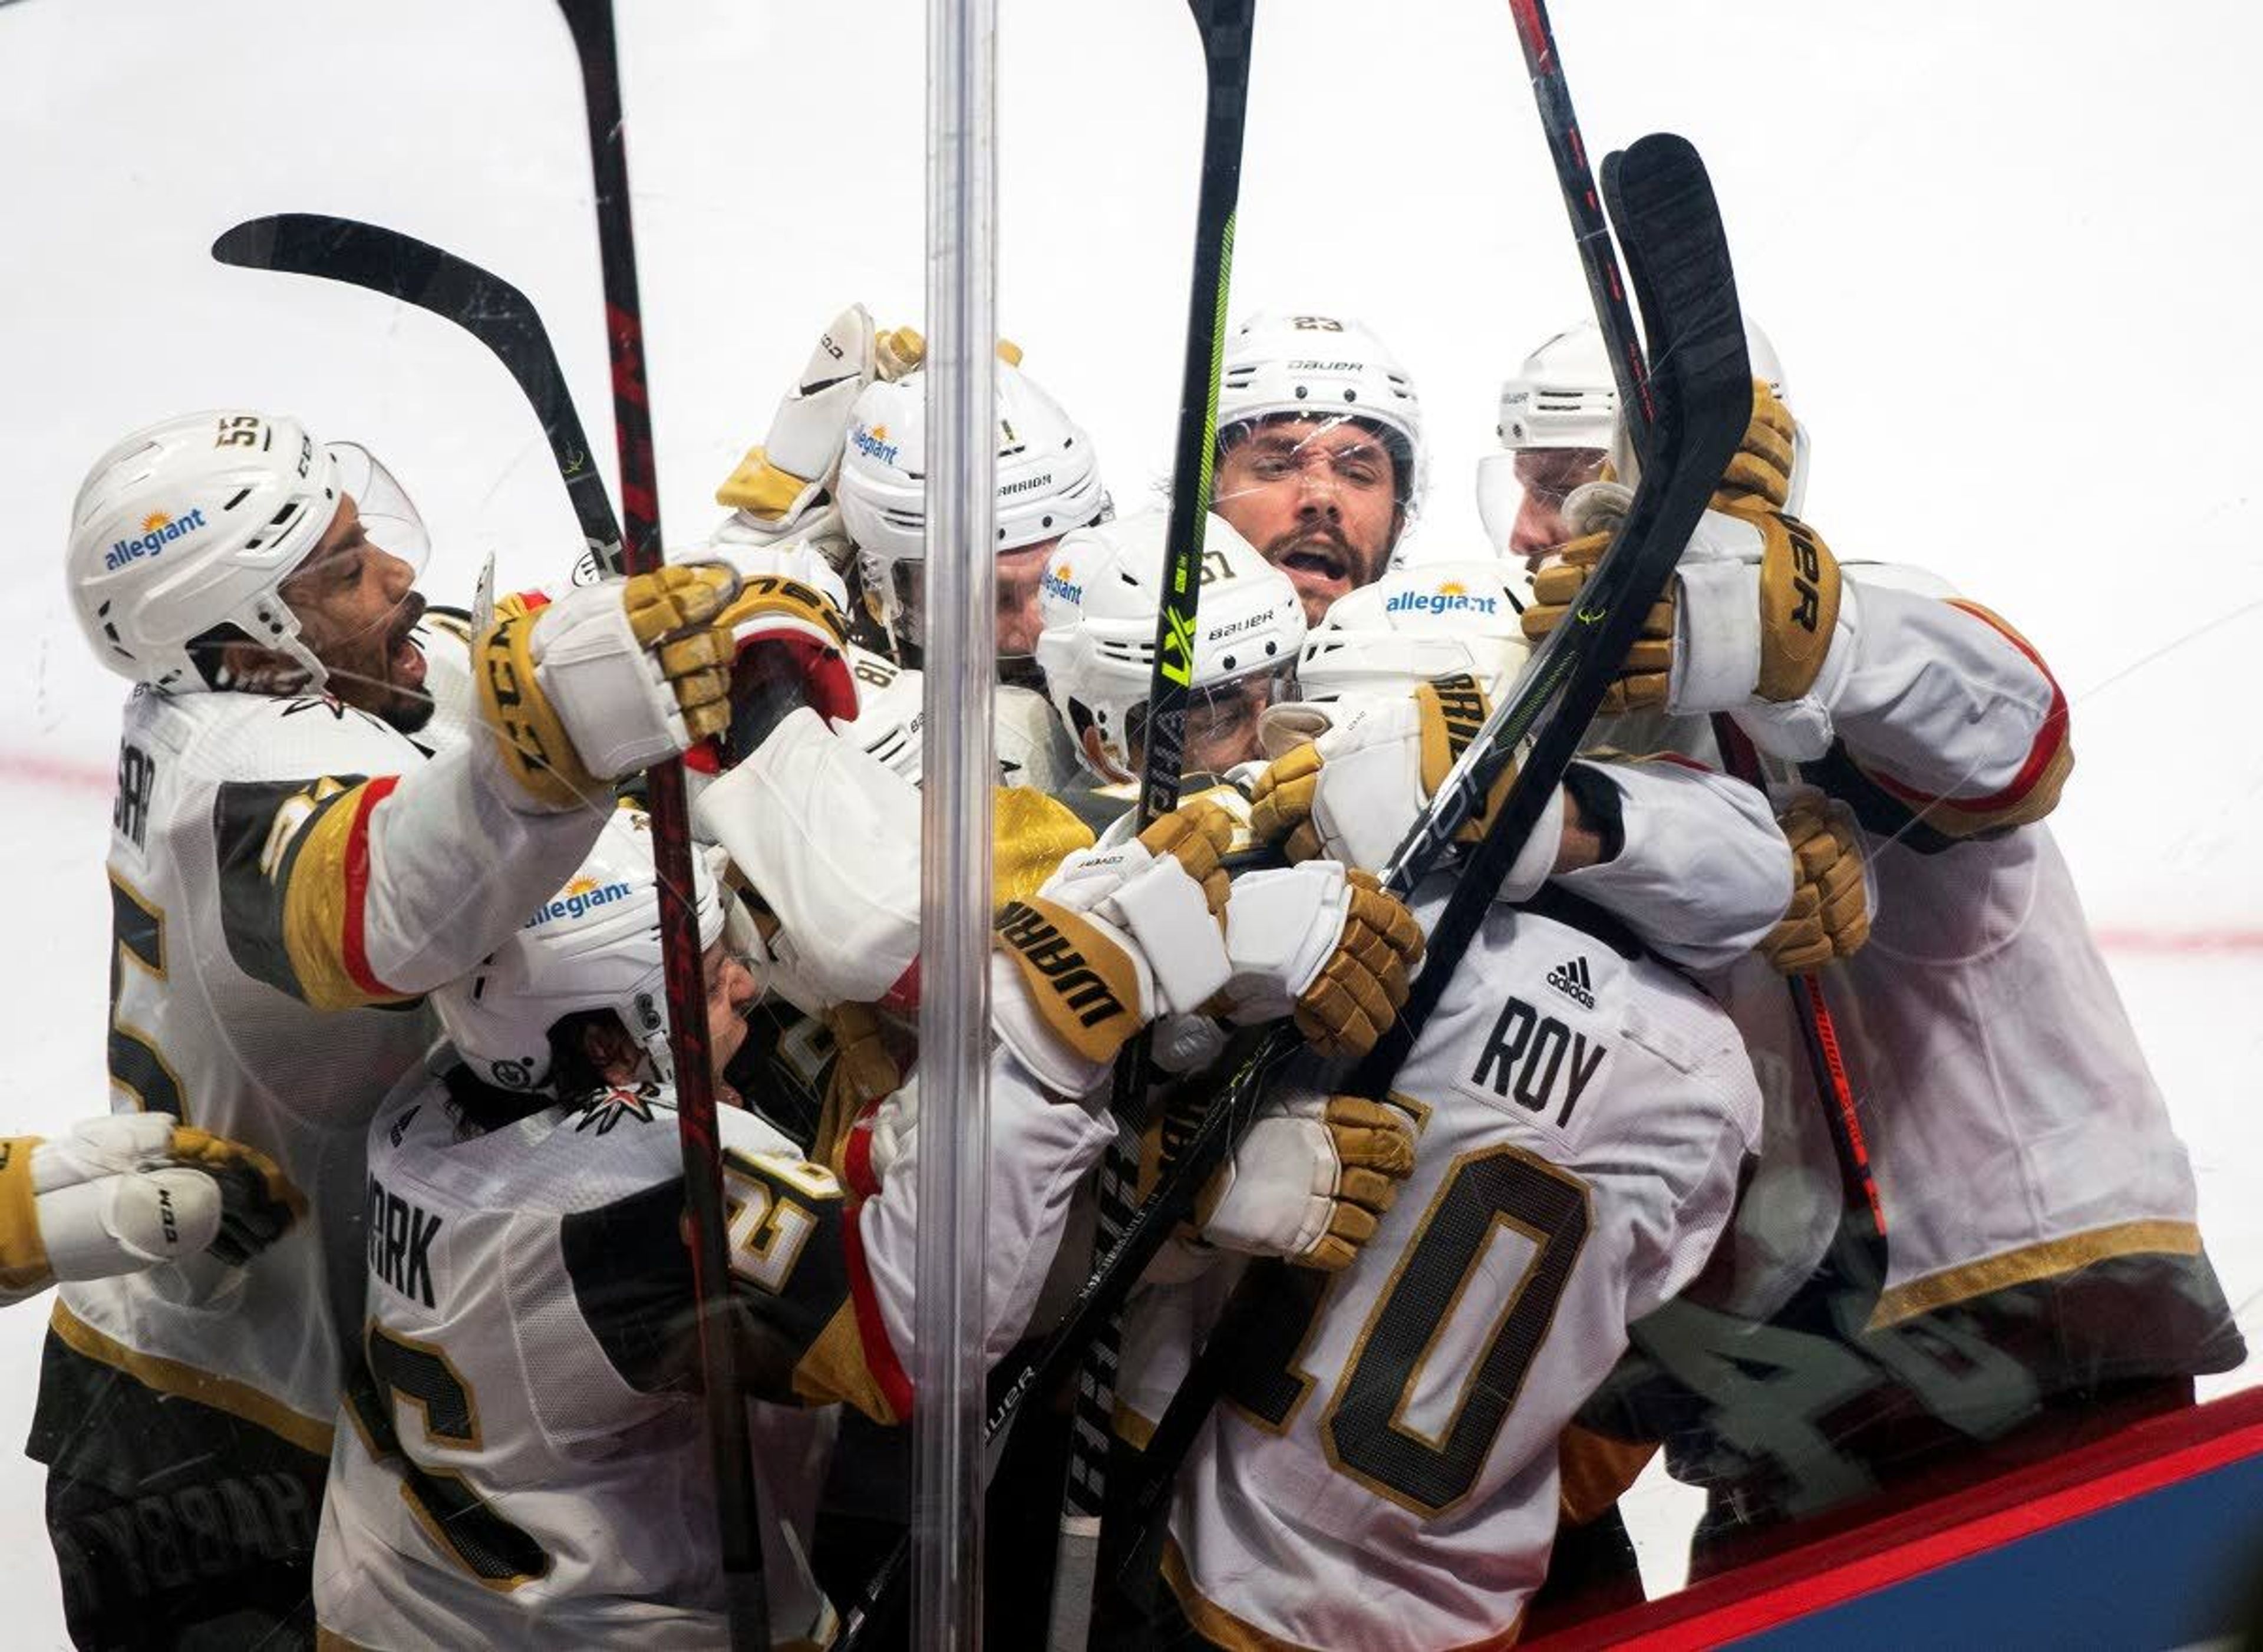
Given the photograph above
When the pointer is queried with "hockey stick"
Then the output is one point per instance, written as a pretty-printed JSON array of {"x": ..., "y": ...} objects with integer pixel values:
[
  {"x": 737, "y": 1507},
  {"x": 491, "y": 309},
  {"x": 1672, "y": 233},
  {"x": 1809, "y": 1010},
  {"x": 1701, "y": 396},
  {"x": 1226, "y": 27}
]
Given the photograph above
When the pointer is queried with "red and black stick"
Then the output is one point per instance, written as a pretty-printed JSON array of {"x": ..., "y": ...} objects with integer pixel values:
[{"x": 737, "y": 1512}]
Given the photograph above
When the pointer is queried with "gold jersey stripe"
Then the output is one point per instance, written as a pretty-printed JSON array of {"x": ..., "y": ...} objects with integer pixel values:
[
  {"x": 23, "y": 1255},
  {"x": 2023, "y": 1266},
  {"x": 322, "y": 904},
  {"x": 170, "y": 1376}
]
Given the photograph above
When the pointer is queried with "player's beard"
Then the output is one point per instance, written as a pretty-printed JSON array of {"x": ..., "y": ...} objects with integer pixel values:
[
  {"x": 386, "y": 678},
  {"x": 1321, "y": 562}
]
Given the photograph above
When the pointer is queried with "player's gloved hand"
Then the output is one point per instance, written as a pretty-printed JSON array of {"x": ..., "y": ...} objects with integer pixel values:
[
  {"x": 1112, "y": 941},
  {"x": 1309, "y": 1181},
  {"x": 1751, "y": 613},
  {"x": 606, "y": 679},
  {"x": 1594, "y": 514},
  {"x": 789, "y": 649},
  {"x": 257, "y": 1202},
  {"x": 1355, "y": 792},
  {"x": 1830, "y": 913},
  {"x": 109, "y": 1198},
  {"x": 1758, "y": 478},
  {"x": 1321, "y": 945}
]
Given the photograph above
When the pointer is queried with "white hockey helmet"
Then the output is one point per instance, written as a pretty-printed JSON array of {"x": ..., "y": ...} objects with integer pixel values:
[
  {"x": 1097, "y": 650},
  {"x": 1048, "y": 482},
  {"x": 594, "y": 944},
  {"x": 1565, "y": 396},
  {"x": 890, "y": 721},
  {"x": 1416, "y": 624},
  {"x": 1279, "y": 365},
  {"x": 193, "y": 524}
]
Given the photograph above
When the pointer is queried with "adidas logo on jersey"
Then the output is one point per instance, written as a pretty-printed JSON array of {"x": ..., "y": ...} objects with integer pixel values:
[
  {"x": 874, "y": 444},
  {"x": 1572, "y": 981},
  {"x": 158, "y": 531}
]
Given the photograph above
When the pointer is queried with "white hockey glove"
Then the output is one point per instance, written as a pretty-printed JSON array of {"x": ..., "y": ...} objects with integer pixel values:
[
  {"x": 1309, "y": 1181},
  {"x": 1353, "y": 793},
  {"x": 783, "y": 490},
  {"x": 605, "y": 679},
  {"x": 1112, "y": 941},
  {"x": 1323, "y": 946},
  {"x": 129, "y": 1191}
]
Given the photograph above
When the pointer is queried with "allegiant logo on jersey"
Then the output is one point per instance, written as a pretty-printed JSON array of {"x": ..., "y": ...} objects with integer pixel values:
[
  {"x": 1060, "y": 582},
  {"x": 158, "y": 530},
  {"x": 581, "y": 895},
  {"x": 1448, "y": 598},
  {"x": 874, "y": 444}
]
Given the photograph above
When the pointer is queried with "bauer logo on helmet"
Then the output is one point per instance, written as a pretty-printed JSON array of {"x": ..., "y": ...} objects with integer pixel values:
[{"x": 159, "y": 529}]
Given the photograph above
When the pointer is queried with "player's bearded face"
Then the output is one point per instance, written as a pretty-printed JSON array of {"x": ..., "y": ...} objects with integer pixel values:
[
  {"x": 1548, "y": 476},
  {"x": 1320, "y": 498},
  {"x": 1222, "y": 722},
  {"x": 358, "y": 613}
]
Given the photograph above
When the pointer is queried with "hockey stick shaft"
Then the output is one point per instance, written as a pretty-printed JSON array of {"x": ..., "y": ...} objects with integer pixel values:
[
  {"x": 1668, "y": 219},
  {"x": 738, "y": 1514},
  {"x": 1226, "y": 27},
  {"x": 1810, "y": 1012},
  {"x": 502, "y": 318}
]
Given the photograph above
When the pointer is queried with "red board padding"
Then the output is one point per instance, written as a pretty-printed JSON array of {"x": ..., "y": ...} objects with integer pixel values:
[{"x": 1911, "y": 1541}]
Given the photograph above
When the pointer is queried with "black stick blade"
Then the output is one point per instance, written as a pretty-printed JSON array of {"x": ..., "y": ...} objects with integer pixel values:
[{"x": 400, "y": 266}]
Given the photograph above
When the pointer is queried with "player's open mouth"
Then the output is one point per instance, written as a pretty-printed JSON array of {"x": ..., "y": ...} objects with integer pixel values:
[
  {"x": 404, "y": 660},
  {"x": 1311, "y": 564}
]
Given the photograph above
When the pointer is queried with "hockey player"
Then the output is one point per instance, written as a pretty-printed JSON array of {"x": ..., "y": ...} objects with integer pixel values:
[
  {"x": 1384, "y": 1474},
  {"x": 2045, "y": 1273},
  {"x": 1558, "y": 420},
  {"x": 1320, "y": 462},
  {"x": 548, "y": 1480},
  {"x": 288, "y": 872},
  {"x": 1102, "y": 590}
]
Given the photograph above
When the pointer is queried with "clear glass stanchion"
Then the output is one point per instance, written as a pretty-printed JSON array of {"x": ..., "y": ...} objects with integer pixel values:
[{"x": 959, "y": 658}]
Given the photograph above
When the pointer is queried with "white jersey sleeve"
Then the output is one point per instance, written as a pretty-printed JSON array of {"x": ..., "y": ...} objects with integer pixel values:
[
  {"x": 1701, "y": 874},
  {"x": 1937, "y": 702},
  {"x": 1384, "y": 1475}
]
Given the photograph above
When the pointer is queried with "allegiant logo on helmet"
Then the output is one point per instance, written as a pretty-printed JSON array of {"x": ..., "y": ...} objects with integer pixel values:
[
  {"x": 158, "y": 531},
  {"x": 1448, "y": 598},
  {"x": 1058, "y": 582},
  {"x": 874, "y": 443},
  {"x": 581, "y": 895}
]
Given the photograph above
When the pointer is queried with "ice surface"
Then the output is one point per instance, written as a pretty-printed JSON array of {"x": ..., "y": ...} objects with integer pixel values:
[{"x": 2005, "y": 252}]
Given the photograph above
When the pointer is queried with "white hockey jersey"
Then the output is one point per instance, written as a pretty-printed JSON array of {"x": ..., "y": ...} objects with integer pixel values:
[
  {"x": 286, "y": 876},
  {"x": 1387, "y": 1478},
  {"x": 2016, "y": 1129},
  {"x": 526, "y": 1465}
]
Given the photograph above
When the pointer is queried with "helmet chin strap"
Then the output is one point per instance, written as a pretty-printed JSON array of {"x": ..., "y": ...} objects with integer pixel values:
[{"x": 649, "y": 1022}]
